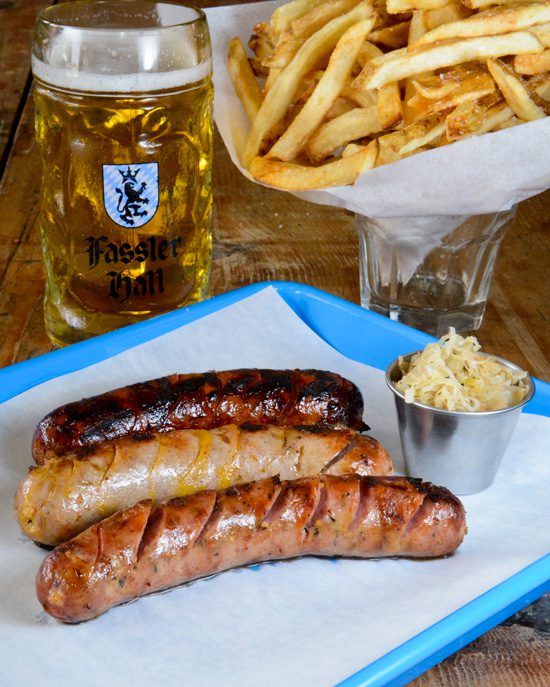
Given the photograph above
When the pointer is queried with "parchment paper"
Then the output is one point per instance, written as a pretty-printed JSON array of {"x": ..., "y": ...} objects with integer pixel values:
[
  {"x": 304, "y": 623},
  {"x": 479, "y": 175}
]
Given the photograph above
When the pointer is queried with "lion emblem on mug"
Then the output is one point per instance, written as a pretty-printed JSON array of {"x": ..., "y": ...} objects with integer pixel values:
[{"x": 130, "y": 193}]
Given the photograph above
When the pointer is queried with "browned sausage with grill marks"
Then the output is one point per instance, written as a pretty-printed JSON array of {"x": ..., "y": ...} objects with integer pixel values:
[
  {"x": 62, "y": 497},
  {"x": 201, "y": 401},
  {"x": 148, "y": 548}
]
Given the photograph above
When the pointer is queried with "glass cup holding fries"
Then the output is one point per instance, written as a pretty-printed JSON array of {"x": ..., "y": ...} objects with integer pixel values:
[
  {"x": 430, "y": 287},
  {"x": 123, "y": 98}
]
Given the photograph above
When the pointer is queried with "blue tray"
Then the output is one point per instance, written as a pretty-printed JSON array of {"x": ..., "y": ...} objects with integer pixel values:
[{"x": 363, "y": 336}]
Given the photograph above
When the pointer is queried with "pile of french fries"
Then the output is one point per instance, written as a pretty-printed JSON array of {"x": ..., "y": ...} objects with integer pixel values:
[{"x": 336, "y": 87}]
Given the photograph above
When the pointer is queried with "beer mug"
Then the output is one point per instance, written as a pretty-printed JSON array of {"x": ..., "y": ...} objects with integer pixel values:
[{"x": 123, "y": 100}]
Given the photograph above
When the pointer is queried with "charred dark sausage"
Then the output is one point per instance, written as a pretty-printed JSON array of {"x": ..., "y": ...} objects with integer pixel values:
[
  {"x": 201, "y": 401},
  {"x": 149, "y": 547},
  {"x": 62, "y": 497}
]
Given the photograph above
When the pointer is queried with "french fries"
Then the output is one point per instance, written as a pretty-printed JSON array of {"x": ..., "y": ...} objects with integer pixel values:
[
  {"x": 336, "y": 87},
  {"x": 284, "y": 15},
  {"x": 542, "y": 32},
  {"x": 283, "y": 90},
  {"x": 390, "y": 107},
  {"x": 398, "y": 6},
  {"x": 532, "y": 64},
  {"x": 474, "y": 87},
  {"x": 480, "y": 4},
  {"x": 473, "y": 119},
  {"x": 327, "y": 90},
  {"x": 309, "y": 23},
  {"x": 489, "y": 23},
  {"x": 243, "y": 79},
  {"x": 351, "y": 125},
  {"x": 515, "y": 92},
  {"x": 394, "y": 36},
  {"x": 401, "y": 63},
  {"x": 295, "y": 177},
  {"x": 417, "y": 28},
  {"x": 541, "y": 85},
  {"x": 413, "y": 136},
  {"x": 452, "y": 12}
]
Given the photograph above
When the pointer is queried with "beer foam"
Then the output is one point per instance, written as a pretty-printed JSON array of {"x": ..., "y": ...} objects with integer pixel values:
[{"x": 109, "y": 84}]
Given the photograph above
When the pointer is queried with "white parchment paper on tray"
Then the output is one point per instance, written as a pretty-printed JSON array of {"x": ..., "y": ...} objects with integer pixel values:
[
  {"x": 304, "y": 623},
  {"x": 479, "y": 175}
]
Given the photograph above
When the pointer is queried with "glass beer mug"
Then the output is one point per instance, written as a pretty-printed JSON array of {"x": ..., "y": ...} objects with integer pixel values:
[{"x": 123, "y": 99}]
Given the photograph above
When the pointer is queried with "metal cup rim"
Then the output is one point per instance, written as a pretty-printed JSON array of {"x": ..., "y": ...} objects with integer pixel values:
[{"x": 527, "y": 380}]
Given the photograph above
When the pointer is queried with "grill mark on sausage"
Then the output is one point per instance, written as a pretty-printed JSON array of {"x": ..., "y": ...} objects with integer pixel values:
[
  {"x": 244, "y": 385},
  {"x": 418, "y": 516},
  {"x": 320, "y": 502},
  {"x": 251, "y": 428},
  {"x": 106, "y": 472},
  {"x": 305, "y": 493},
  {"x": 206, "y": 518},
  {"x": 100, "y": 545},
  {"x": 288, "y": 383},
  {"x": 104, "y": 426},
  {"x": 150, "y": 532},
  {"x": 436, "y": 493},
  {"x": 273, "y": 493},
  {"x": 83, "y": 452},
  {"x": 187, "y": 390},
  {"x": 338, "y": 457},
  {"x": 275, "y": 505},
  {"x": 363, "y": 503},
  {"x": 318, "y": 428}
]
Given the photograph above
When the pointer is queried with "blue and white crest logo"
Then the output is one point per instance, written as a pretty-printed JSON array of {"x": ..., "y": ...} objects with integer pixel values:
[{"x": 131, "y": 193}]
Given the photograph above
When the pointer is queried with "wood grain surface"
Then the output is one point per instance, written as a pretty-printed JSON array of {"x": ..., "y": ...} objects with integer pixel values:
[{"x": 262, "y": 234}]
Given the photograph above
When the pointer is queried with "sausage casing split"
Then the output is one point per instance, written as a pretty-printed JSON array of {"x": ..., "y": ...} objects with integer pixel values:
[
  {"x": 64, "y": 496},
  {"x": 149, "y": 547},
  {"x": 201, "y": 401}
]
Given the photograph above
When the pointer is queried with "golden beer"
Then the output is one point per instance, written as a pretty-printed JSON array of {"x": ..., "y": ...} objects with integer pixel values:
[{"x": 126, "y": 197}]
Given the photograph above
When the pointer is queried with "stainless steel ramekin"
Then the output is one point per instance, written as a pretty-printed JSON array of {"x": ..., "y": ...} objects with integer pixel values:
[{"x": 456, "y": 449}]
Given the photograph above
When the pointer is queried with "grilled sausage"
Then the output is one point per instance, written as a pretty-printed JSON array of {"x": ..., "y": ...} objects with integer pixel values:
[
  {"x": 201, "y": 401},
  {"x": 62, "y": 497},
  {"x": 148, "y": 548}
]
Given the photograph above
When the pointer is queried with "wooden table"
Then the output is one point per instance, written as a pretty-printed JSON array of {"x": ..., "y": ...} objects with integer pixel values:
[{"x": 259, "y": 235}]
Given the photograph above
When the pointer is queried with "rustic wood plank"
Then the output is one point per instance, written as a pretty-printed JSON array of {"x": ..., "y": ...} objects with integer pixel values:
[
  {"x": 17, "y": 22},
  {"x": 21, "y": 271},
  {"x": 516, "y": 324},
  {"x": 20, "y": 256},
  {"x": 504, "y": 657}
]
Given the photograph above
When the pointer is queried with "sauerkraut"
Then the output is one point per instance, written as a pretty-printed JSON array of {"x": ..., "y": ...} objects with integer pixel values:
[{"x": 451, "y": 375}]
